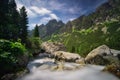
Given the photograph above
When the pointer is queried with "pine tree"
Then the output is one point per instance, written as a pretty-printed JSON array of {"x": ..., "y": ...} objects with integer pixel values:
[
  {"x": 13, "y": 19},
  {"x": 23, "y": 24},
  {"x": 36, "y": 31},
  {"x": 13, "y": 24},
  {"x": 3, "y": 17},
  {"x": 9, "y": 17}
]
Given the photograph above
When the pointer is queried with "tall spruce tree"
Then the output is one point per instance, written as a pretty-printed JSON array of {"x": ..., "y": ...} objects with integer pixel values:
[
  {"x": 36, "y": 31},
  {"x": 23, "y": 24},
  {"x": 9, "y": 17},
  {"x": 13, "y": 24},
  {"x": 13, "y": 18},
  {"x": 3, "y": 18}
]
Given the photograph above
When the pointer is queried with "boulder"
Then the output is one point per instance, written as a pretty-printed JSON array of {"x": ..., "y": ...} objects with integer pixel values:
[
  {"x": 116, "y": 53},
  {"x": 66, "y": 56},
  {"x": 23, "y": 60},
  {"x": 80, "y": 61},
  {"x": 102, "y": 55},
  {"x": 114, "y": 69},
  {"x": 51, "y": 47}
]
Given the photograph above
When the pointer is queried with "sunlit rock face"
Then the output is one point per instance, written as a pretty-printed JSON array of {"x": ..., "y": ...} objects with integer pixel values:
[
  {"x": 67, "y": 56},
  {"x": 51, "y": 47},
  {"x": 58, "y": 52},
  {"x": 102, "y": 55}
]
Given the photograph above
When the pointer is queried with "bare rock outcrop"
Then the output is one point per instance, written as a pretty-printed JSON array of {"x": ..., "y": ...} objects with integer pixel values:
[
  {"x": 57, "y": 50},
  {"x": 103, "y": 55},
  {"x": 51, "y": 47},
  {"x": 67, "y": 56}
]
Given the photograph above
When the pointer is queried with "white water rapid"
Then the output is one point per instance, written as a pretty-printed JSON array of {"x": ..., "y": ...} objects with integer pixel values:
[{"x": 41, "y": 69}]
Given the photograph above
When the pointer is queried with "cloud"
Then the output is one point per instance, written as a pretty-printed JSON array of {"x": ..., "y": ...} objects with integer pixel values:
[
  {"x": 43, "y": 20},
  {"x": 49, "y": 4},
  {"x": 53, "y": 16},
  {"x": 72, "y": 19},
  {"x": 30, "y": 13},
  {"x": 19, "y": 5},
  {"x": 31, "y": 26},
  {"x": 56, "y": 5},
  {"x": 41, "y": 11},
  {"x": 74, "y": 10},
  {"x": 46, "y": 19},
  {"x": 39, "y": 22}
]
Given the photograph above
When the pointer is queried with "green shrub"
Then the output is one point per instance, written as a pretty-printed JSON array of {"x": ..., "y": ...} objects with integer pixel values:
[
  {"x": 34, "y": 44},
  {"x": 9, "y": 55}
]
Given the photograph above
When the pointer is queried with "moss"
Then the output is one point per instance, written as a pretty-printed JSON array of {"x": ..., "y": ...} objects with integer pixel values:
[{"x": 114, "y": 69}]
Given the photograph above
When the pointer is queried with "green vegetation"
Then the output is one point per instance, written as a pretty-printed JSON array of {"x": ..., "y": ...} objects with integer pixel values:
[
  {"x": 13, "y": 37},
  {"x": 10, "y": 53},
  {"x": 36, "y": 31},
  {"x": 13, "y": 23},
  {"x": 23, "y": 30},
  {"x": 85, "y": 40},
  {"x": 79, "y": 36},
  {"x": 90, "y": 31},
  {"x": 34, "y": 42},
  {"x": 34, "y": 45}
]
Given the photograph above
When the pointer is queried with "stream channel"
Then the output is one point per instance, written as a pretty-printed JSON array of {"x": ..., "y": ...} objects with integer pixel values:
[{"x": 45, "y": 68}]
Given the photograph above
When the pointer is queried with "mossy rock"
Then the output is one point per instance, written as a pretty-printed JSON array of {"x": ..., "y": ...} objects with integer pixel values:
[{"x": 114, "y": 69}]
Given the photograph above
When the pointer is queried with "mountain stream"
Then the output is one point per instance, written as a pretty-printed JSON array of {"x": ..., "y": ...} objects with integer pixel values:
[{"x": 45, "y": 68}]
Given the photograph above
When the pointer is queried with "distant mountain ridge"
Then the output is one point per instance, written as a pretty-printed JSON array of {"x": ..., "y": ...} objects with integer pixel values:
[
  {"x": 53, "y": 26},
  {"x": 107, "y": 11},
  {"x": 88, "y": 31}
]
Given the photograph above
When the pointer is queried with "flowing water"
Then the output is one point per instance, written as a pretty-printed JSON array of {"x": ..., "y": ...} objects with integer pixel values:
[{"x": 41, "y": 69}]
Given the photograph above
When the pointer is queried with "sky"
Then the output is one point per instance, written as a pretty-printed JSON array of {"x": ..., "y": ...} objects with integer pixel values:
[{"x": 41, "y": 11}]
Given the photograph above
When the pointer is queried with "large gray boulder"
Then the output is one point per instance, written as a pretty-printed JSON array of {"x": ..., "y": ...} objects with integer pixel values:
[
  {"x": 57, "y": 51},
  {"x": 115, "y": 53},
  {"x": 51, "y": 47},
  {"x": 66, "y": 56},
  {"x": 103, "y": 55}
]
